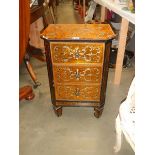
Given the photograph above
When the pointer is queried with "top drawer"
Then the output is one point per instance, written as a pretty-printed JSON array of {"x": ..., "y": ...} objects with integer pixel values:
[{"x": 77, "y": 52}]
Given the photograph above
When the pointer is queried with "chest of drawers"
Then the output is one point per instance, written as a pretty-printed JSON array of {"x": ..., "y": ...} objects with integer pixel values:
[{"x": 77, "y": 57}]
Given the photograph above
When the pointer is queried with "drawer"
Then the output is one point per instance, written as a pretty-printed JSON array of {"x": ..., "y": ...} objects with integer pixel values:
[
  {"x": 77, "y": 92},
  {"x": 77, "y": 52},
  {"x": 77, "y": 74}
]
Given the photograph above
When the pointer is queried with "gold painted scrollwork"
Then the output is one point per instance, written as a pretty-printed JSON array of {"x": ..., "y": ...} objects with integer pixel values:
[
  {"x": 78, "y": 74},
  {"x": 68, "y": 53},
  {"x": 78, "y": 92}
]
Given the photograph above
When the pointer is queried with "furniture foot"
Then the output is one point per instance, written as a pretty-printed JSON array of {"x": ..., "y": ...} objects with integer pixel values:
[
  {"x": 37, "y": 83},
  {"x": 98, "y": 112},
  {"x": 26, "y": 92},
  {"x": 58, "y": 111}
]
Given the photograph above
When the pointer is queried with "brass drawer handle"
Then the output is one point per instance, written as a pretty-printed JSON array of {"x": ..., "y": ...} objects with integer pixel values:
[
  {"x": 77, "y": 74},
  {"x": 77, "y": 55},
  {"x": 77, "y": 92}
]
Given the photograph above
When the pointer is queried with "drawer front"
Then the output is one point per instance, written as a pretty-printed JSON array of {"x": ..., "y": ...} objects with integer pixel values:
[
  {"x": 77, "y": 74},
  {"x": 77, "y": 92},
  {"x": 77, "y": 52}
]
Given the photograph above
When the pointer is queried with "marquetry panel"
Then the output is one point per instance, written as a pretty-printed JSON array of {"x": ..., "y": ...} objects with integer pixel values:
[
  {"x": 78, "y": 32},
  {"x": 77, "y": 52},
  {"x": 77, "y": 92},
  {"x": 89, "y": 74}
]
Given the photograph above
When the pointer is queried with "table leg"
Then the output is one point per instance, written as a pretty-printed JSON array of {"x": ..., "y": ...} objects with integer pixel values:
[
  {"x": 103, "y": 13},
  {"x": 84, "y": 8},
  {"x": 121, "y": 50}
]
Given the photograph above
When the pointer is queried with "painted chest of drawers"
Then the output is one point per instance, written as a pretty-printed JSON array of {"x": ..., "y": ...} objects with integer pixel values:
[{"x": 77, "y": 58}]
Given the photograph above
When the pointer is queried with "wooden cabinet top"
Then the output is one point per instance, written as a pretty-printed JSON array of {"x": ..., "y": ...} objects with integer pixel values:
[{"x": 78, "y": 32}]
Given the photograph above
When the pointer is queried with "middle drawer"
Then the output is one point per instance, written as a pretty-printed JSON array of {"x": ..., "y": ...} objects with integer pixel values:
[{"x": 86, "y": 74}]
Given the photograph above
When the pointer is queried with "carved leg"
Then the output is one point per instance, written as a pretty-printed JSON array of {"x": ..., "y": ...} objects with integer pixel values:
[
  {"x": 31, "y": 72},
  {"x": 26, "y": 92},
  {"x": 58, "y": 111},
  {"x": 98, "y": 111},
  {"x": 117, "y": 146}
]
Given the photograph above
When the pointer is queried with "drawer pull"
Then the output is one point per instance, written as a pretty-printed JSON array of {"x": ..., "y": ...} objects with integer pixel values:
[
  {"x": 77, "y": 74},
  {"x": 77, "y": 55},
  {"x": 77, "y": 92}
]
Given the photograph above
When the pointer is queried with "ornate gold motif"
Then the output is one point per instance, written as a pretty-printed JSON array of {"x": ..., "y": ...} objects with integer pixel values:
[
  {"x": 76, "y": 52},
  {"x": 86, "y": 93},
  {"x": 77, "y": 74}
]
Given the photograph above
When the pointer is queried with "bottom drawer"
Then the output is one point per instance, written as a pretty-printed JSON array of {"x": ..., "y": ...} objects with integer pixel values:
[{"x": 77, "y": 92}]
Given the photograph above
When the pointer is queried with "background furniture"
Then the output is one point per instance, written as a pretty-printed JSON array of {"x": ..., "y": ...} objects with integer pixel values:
[
  {"x": 24, "y": 27},
  {"x": 81, "y": 7},
  {"x": 77, "y": 58},
  {"x": 127, "y": 17},
  {"x": 90, "y": 11},
  {"x": 125, "y": 121},
  {"x": 36, "y": 11},
  {"x": 35, "y": 49}
]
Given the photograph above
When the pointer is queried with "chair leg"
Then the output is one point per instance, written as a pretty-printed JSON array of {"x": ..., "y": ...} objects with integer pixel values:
[
  {"x": 52, "y": 13},
  {"x": 36, "y": 53},
  {"x": 118, "y": 143},
  {"x": 31, "y": 72}
]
